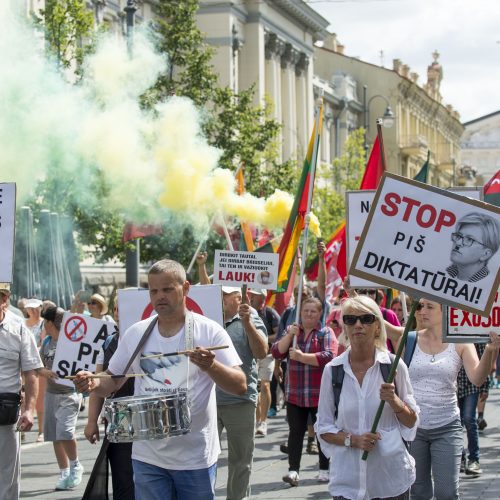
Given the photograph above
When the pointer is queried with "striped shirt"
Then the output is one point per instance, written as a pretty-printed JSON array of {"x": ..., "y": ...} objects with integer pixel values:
[
  {"x": 302, "y": 382},
  {"x": 482, "y": 273}
]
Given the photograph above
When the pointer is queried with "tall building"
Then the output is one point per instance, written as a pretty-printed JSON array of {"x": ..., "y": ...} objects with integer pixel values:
[
  {"x": 421, "y": 121},
  {"x": 481, "y": 149}
]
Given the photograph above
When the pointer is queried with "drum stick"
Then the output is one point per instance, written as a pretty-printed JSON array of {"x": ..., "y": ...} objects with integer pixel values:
[
  {"x": 178, "y": 353},
  {"x": 108, "y": 375}
]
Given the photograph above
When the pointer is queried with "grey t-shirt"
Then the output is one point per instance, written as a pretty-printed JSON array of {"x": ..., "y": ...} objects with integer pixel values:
[
  {"x": 239, "y": 337},
  {"x": 18, "y": 353},
  {"x": 48, "y": 352}
]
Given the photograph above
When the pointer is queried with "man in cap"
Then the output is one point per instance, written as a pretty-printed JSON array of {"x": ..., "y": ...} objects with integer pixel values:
[
  {"x": 265, "y": 366},
  {"x": 237, "y": 413},
  {"x": 18, "y": 356}
]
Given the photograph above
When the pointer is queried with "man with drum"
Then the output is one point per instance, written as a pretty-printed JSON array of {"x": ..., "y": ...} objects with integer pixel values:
[{"x": 181, "y": 466}]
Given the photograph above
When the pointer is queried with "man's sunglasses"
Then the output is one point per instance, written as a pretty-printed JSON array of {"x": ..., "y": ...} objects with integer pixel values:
[{"x": 365, "y": 319}]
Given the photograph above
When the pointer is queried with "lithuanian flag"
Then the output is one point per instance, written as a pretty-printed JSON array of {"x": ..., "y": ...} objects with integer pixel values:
[
  {"x": 296, "y": 221},
  {"x": 492, "y": 190}
]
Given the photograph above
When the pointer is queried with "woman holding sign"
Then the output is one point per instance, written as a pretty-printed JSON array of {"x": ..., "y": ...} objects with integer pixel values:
[
  {"x": 434, "y": 367},
  {"x": 351, "y": 389}
]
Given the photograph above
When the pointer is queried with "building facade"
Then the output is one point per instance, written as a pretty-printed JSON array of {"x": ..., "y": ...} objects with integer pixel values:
[
  {"x": 481, "y": 149},
  {"x": 270, "y": 45},
  {"x": 421, "y": 121}
]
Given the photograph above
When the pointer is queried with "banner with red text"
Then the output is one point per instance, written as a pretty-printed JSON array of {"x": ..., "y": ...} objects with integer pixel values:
[{"x": 431, "y": 243}]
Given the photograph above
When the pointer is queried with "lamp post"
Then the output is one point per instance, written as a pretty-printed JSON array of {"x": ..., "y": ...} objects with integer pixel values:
[
  {"x": 130, "y": 10},
  {"x": 132, "y": 254},
  {"x": 387, "y": 119}
]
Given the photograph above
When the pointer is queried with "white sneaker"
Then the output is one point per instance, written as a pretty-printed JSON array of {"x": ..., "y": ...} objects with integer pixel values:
[
  {"x": 261, "y": 429},
  {"x": 292, "y": 478},
  {"x": 75, "y": 476},
  {"x": 323, "y": 476},
  {"x": 62, "y": 483}
]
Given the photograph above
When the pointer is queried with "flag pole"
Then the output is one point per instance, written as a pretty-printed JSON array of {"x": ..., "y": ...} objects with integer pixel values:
[
  {"x": 202, "y": 241},
  {"x": 381, "y": 144},
  {"x": 317, "y": 120}
]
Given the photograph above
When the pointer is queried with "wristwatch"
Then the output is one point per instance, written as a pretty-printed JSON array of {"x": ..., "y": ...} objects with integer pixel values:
[{"x": 347, "y": 440}]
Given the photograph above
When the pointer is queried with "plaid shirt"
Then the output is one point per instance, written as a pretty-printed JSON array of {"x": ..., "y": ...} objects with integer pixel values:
[
  {"x": 464, "y": 385},
  {"x": 302, "y": 382}
]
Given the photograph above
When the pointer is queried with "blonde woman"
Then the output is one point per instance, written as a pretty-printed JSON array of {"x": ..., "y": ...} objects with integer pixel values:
[{"x": 344, "y": 425}]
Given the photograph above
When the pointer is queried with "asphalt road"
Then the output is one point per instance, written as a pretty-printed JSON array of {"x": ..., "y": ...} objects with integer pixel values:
[{"x": 39, "y": 467}]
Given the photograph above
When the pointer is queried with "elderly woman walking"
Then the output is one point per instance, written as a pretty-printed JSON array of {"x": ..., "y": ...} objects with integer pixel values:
[
  {"x": 316, "y": 346},
  {"x": 347, "y": 407}
]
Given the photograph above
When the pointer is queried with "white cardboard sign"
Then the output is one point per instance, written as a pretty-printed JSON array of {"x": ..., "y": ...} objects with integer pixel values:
[
  {"x": 255, "y": 269},
  {"x": 358, "y": 207},
  {"x": 7, "y": 229},
  {"x": 462, "y": 326},
  {"x": 134, "y": 304},
  {"x": 407, "y": 244},
  {"x": 80, "y": 340}
]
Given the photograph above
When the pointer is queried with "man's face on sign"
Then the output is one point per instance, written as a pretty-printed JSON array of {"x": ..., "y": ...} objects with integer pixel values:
[
  {"x": 167, "y": 294},
  {"x": 468, "y": 247}
]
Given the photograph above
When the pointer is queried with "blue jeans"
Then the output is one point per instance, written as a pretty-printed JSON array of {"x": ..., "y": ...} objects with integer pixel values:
[
  {"x": 468, "y": 405},
  {"x": 152, "y": 483},
  {"x": 437, "y": 453}
]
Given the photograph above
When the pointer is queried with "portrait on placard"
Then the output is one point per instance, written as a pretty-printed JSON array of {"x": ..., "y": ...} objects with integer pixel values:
[{"x": 432, "y": 243}]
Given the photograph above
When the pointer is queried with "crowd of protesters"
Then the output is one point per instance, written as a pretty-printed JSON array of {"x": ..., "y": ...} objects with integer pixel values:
[{"x": 291, "y": 362}]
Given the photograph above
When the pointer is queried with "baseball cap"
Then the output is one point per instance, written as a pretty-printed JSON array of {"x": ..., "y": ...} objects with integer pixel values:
[
  {"x": 33, "y": 303},
  {"x": 258, "y": 291},
  {"x": 5, "y": 288},
  {"x": 231, "y": 289}
]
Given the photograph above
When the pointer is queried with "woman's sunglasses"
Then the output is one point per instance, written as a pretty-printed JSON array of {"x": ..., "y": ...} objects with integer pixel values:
[{"x": 365, "y": 319}]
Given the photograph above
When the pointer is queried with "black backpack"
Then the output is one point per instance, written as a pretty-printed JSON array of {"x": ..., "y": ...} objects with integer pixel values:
[{"x": 385, "y": 368}]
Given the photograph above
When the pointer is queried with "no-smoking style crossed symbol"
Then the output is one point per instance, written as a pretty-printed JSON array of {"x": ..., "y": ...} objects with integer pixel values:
[{"x": 75, "y": 328}]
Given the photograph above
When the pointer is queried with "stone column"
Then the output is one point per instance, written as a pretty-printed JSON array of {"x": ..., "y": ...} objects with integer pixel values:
[
  {"x": 301, "y": 103},
  {"x": 289, "y": 110}
]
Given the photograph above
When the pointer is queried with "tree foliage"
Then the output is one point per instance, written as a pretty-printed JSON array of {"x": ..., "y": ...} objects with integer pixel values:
[
  {"x": 245, "y": 132},
  {"x": 68, "y": 27}
]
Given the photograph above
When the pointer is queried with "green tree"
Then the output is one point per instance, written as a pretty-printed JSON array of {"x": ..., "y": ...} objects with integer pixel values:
[
  {"x": 333, "y": 180},
  {"x": 245, "y": 133},
  {"x": 68, "y": 27}
]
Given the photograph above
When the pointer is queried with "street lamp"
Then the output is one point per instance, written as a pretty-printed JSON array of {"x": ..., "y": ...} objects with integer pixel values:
[{"x": 387, "y": 120}]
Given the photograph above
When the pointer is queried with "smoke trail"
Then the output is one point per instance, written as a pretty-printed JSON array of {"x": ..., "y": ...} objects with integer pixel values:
[{"x": 151, "y": 160}]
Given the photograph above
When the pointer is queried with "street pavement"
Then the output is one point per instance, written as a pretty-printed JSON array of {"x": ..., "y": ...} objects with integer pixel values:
[{"x": 39, "y": 467}]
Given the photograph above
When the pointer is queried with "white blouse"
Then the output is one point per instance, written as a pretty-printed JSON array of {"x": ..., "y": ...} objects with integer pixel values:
[{"x": 389, "y": 470}]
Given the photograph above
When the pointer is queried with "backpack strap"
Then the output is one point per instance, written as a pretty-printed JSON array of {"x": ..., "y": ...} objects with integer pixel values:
[
  {"x": 337, "y": 381},
  {"x": 411, "y": 343}
]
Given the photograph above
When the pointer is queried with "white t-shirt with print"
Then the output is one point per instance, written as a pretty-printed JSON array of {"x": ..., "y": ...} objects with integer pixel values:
[{"x": 199, "y": 448}]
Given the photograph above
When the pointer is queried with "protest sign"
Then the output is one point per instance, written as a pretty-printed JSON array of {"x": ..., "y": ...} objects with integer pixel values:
[
  {"x": 255, "y": 269},
  {"x": 358, "y": 207},
  {"x": 431, "y": 243},
  {"x": 465, "y": 327},
  {"x": 7, "y": 229},
  {"x": 80, "y": 340},
  {"x": 134, "y": 304}
]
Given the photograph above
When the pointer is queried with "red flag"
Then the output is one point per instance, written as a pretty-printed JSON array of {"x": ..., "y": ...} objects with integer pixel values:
[
  {"x": 134, "y": 231},
  {"x": 374, "y": 168}
]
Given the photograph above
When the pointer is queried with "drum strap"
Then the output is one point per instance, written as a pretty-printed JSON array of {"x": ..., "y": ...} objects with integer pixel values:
[
  {"x": 141, "y": 343},
  {"x": 189, "y": 337}
]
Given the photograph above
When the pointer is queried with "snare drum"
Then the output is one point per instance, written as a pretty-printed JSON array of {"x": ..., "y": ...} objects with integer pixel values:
[{"x": 140, "y": 418}]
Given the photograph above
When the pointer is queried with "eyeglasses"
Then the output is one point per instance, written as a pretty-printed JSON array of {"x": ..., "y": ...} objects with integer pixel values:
[
  {"x": 464, "y": 240},
  {"x": 93, "y": 303},
  {"x": 365, "y": 319}
]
